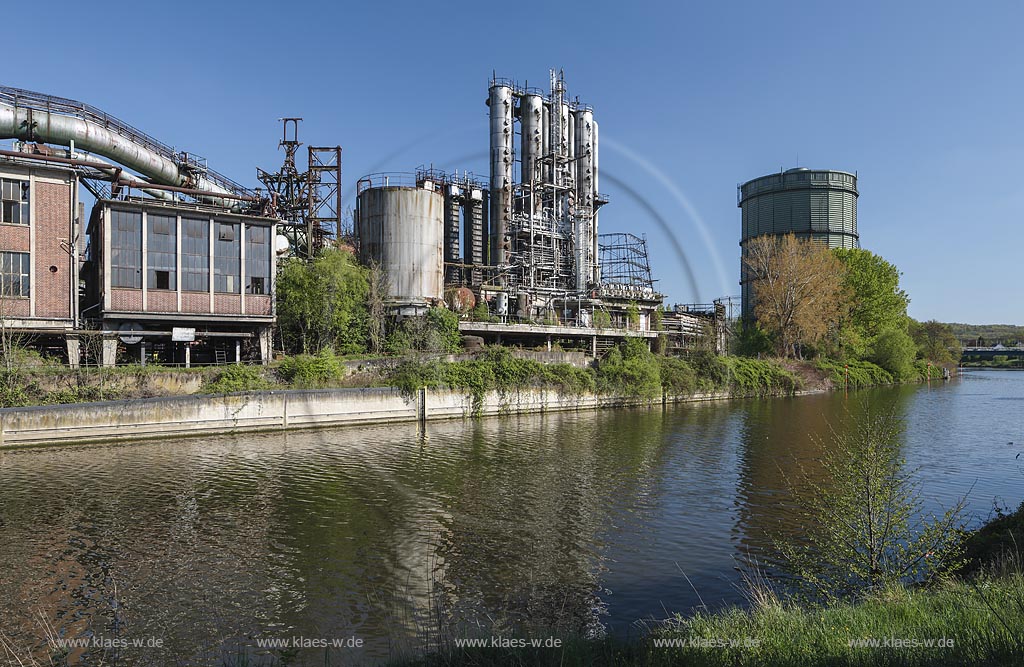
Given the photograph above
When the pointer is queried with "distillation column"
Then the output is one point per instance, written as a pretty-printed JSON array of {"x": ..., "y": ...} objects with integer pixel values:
[{"x": 500, "y": 101}]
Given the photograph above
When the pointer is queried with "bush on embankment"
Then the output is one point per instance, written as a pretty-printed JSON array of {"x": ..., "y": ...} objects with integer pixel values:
[
  {"x": 495, "y": 370},
  {"x": 629, "y": 370}
]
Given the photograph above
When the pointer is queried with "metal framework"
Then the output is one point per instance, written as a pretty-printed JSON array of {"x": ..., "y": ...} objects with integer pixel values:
[
  {"x": 624, "y": 260},
  {"x": 309, "y": 202}
]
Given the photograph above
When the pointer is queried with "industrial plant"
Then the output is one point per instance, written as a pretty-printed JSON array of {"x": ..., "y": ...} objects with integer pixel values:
[{"x": 178, "y": 262}]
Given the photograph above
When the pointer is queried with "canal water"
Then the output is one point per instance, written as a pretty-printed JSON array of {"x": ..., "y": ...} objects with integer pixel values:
[{"x": 576, "y": 522}]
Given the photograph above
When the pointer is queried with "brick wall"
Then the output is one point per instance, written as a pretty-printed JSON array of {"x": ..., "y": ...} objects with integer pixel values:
[
  {"x": 227, "y": 303},
  {"x": 14, "y": 238},
  {"x": 195, "y": 302},
  {"x": 161, "y": 301},
  {"x": 125, "y": 299},
  {"x": 52, "y": 222},
  {"x": 257, "y": 305}
]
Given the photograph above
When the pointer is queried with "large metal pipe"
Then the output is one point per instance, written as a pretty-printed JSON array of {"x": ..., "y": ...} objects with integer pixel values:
[
  {"x": 29, "y": 124},
  {"x": 596, "y": 174},
  {"x": 531, "y": 118},
  {"x": 500, "y": 102}
]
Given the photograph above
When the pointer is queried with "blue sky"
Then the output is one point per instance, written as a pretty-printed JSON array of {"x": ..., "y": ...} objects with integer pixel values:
[{"x": 924, "y": 100}]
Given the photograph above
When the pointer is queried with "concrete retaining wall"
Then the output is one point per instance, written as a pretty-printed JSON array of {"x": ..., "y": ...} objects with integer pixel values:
[{"x": 179, "y": 416}]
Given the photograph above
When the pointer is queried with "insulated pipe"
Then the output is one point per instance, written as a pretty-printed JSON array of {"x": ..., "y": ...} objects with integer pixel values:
[
  {"x": 500, "y": 102},
  {"x": 54, "y": 128},
  {"x": 596, "y": 172}
]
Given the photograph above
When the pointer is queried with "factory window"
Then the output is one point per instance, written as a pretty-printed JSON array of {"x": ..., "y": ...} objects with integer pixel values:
[
  {"x": 257, "y": 260},
  {"x": 13, "y": 201},
  {"x": 14, "y": 273},
  {"x": 162, "y": 251},
  {"x": 195, "y": 255},
  {"x": 126, "y": 249},
  {"x": 227, "y": 261}
]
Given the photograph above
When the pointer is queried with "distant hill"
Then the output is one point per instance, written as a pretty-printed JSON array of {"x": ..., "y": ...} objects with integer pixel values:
[{"x": 1007, "y": 334}]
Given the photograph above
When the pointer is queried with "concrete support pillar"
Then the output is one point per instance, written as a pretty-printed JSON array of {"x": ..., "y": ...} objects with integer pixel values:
[
  {"x": 266, "y": 341},
  {"x": 238, "y": 351},
  {"x": 549, "y": 343},
  {"x": 142, "y": 353},
  {"x": 74, "y": 351},
  {"x": 188, "y": 355},
  {"x": 109, "y": 351},
  {"x": 593, "y": 346}
]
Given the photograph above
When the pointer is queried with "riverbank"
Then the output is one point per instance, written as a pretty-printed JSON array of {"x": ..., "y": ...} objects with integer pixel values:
[
  {"x": 973, "y": 618},
  {"x": 304, "y": 392}
]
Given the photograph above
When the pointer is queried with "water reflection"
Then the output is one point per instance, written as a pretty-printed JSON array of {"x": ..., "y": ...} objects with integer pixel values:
[{"x": 583, "y": 522}]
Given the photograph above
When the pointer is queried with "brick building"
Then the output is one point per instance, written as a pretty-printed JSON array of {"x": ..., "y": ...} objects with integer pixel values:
[
  {"x": 38, "y": 237},
  {"x": 163, "y": 272}
]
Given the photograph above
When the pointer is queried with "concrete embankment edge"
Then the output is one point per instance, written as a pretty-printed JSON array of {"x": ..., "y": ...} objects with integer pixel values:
[{"x": 189, "y": 416}]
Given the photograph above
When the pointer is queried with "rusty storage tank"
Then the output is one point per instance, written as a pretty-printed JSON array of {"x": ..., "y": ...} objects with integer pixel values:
[{"x": 400, "y": 226}]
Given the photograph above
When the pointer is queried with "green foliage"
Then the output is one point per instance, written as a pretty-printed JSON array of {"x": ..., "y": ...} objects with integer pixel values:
[
  {"x": 497, "y": 369},
  {"x": 445, "y": 326},
  {"x": 751, "y": 340},
  {"x": 712, "y": 372},
  {"x": 982, "y": 335},
  {"x": 761, "y": 378},
  {"x": 437, "y": 332},
  {"x": 633, "y": 315},
  {"x": 236, "y": 378},
  {"x": 935, "y": 341},
  {"x": 895, "y": 351},
  {"x": 602, "y": 319},
  {"x": 678, "y": 378},
  {"x": 481, "y": 313},
  {"x": 13, "y": 392},
  {"x": 630, "y": 370},
  {"x": 323, "y": 303},
  {"x": 309, "y": 371},
  {"x": 863, "y": 528},
  {"x": 877, "y": 302},
  {"x": 857, "y": 374}
]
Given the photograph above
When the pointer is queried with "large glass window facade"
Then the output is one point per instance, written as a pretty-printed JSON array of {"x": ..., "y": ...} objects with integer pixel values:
[
  {"x": 14, "y": 267},
  {"x": 162, "y": 251},
  {"x": 227, "y": 263},
  {"x": 126, "y": 248},
  {"x": 195, "y": 255},
  {"x": 14, "y": 201},
  {"x": 257, "y": 260}
]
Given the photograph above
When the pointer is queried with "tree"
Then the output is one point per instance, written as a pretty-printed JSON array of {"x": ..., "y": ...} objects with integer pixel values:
[
  {"x": 798, "y": 290},
  {"x": 376, "y": 313},
  {"x": 863, "y": 526},
  {"x": 895, "y": 351},
  {"x": 877, "y": 303},
  {"x": 935, "y": 341},
  {"x": 322, "y": 303}
]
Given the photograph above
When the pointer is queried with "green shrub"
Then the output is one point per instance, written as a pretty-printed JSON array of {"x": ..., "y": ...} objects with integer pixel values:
[
  {"x": 861, "y": 373},
  {"x": 678, "y": 378},
  {"x": 754, "y": 376},
  {"x": 630, "y": 370},
  {"x": 307, "y": 371},
  {"x": 237, "y": 378},
  {"x": 712, "y": 373},
  {"x": 895, "y": 351}
]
